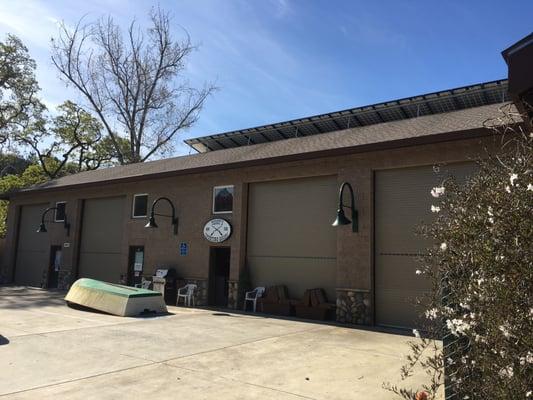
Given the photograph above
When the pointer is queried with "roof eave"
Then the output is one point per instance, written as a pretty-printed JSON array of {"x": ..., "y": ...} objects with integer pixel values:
[{"x": 398, "y": 143}]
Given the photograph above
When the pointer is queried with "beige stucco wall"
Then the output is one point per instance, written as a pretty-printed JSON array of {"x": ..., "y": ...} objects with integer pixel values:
[{"x": 192, "y": 195}]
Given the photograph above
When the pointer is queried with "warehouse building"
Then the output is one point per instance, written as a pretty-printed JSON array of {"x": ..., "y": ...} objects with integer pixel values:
[{"x": 263, "y": 200}]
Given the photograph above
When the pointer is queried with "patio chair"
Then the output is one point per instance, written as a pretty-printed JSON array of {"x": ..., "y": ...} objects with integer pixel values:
[
  {"x": 187, "y": 293},
  {"x": 145, "y": 284},
  {"x": 253, "y": 296},
  {"x": 314, "y": 305}
]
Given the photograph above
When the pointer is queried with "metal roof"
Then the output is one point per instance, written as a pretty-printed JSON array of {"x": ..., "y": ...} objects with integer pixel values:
[{"x": 411, "y": 107}]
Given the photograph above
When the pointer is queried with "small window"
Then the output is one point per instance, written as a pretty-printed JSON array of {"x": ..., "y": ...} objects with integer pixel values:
[
  {"x": 140, "y": 205},
  {"x": 222, "y": 199},
  {"x": 61, "y": 207}
]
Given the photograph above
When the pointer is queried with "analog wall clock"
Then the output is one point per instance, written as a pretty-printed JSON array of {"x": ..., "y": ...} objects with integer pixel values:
[{"x": 217, "y": 230}]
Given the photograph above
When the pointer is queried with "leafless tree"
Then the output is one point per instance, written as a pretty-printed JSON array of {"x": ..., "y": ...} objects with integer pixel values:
[{"x": 133, "y": 82}]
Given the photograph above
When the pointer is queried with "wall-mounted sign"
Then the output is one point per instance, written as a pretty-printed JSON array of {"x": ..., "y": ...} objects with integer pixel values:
[
  {"x": 184, "y": 249},
  {"x": 139, "y": 260},
  {"x": 217, "y": 230}
]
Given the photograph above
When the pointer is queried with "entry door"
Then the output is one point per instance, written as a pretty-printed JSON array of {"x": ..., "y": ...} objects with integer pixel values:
[
  {"x": 402, "y": 203},
  {"x": 219, "y": 276},
  {"x": 54, "y": 266},
  {"x": 135, "y": 265},
  {"x": 101, "y": 239},
  {"x": 31, "y": 261}
]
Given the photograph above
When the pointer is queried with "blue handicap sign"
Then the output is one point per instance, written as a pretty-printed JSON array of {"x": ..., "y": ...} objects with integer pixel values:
[{"x": 184, "y": 249}]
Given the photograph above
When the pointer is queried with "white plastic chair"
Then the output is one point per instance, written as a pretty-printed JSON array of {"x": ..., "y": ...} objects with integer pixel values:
[
  {"x": 188, "y": 293},
  {"x": 145, "y": 284},
  {"x": 253, "y": 296}
]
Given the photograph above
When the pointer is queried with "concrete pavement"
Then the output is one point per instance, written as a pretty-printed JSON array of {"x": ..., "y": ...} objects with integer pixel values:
[{"x": 49, "y": 350}]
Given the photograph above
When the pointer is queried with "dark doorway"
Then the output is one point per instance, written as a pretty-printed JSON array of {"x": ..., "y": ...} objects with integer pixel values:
[
  {"x": 53, "y": 267},
  {"x": 219, "y": 276},
  {"x": 135, "y": 265}
]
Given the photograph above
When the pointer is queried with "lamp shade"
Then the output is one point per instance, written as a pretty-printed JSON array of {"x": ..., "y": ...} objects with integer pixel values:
[
  {"x": 42, "y": 228},
  {"x": 341, "y": 218},
  {"x": 151, "y": 223}
]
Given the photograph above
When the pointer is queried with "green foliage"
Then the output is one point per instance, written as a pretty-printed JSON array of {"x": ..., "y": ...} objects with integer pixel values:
[
  {"x": 18, "y": 87},
  {"x": 482, "y": 274},
  {"x": 13, "y": 164},
  {"x": 69, "y": 142},
  {"x": 32, "y": 175}
]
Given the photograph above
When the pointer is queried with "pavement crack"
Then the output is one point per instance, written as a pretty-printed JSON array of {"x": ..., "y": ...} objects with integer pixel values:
[
  {"x": 244, "y": 343},
  {"x": 241, "y": 382},
  {"x": 76, "y": 379}
]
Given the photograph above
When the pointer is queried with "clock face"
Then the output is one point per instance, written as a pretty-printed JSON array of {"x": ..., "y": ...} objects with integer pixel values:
[{"x": 217, "y": 230}]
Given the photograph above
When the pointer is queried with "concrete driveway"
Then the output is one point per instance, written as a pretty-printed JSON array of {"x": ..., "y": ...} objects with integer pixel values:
[{"x": 48, "y": 350}]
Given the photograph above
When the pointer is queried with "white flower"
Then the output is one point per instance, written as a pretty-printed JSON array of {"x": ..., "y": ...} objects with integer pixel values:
[
  {"x": 529, "y": 187},
  {"x": 418, "y": 272},
  {"x": 505, "y": 331},
  {"x": 489, "y": 211},
  {"x": 465, "y": 306},
  {"x": 457, "y": 326},
  {"x": 416, "y": 333},
  {"x": 527, "y": 359},
  {"x": 435, "y": 209},
  {"x": 431, "y": 314},
  {"x": 437, "y": 191},
  {"x": 506, "y": 372},
  {"x": 528, "y": 394},
  {"x": 513, "y": 178},
  {"x": 508, "y": 189},
  {"x": 443, "y": 246}
]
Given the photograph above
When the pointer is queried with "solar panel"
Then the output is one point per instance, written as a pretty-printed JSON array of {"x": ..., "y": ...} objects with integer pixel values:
[{"x": 412, "y": 107}]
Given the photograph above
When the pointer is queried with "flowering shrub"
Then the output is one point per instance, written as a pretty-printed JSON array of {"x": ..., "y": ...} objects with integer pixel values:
[{"x": 481, "y": 271}]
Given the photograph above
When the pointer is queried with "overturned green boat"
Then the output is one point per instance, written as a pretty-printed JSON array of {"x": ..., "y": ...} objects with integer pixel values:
[{"x": 115, "y": 299}]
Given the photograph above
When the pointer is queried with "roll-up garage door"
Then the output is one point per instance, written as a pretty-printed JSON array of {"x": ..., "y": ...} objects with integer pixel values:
[
  {"x": 290, "y": 238},
  {"x": 403, "y": 202},
  {"x": 31, "y": 258},
  {"x": 101, "y": 239}
]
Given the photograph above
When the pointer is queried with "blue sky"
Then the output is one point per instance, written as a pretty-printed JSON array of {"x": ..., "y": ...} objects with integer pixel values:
[{"x": 279, "y": 59}]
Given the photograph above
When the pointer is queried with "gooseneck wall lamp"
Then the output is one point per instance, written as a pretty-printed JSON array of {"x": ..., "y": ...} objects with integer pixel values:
[
  {"x": 341, "y": 217},
  {"x": 42, "y": 227},
  {"x": 151, "y": 222}
]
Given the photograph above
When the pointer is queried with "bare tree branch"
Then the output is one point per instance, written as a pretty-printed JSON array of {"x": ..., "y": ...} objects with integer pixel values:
[{"x": 133, "y": 82}]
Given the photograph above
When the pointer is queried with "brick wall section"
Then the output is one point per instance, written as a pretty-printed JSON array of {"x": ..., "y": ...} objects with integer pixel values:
[{"x": 192, "y": 196}]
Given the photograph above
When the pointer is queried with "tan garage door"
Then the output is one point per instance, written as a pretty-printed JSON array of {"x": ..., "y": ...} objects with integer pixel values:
[
  {"x": 290, "y": 238},
  {"x": 101, "y": 239},
  {"x": 32, "y": 247},
  {"x": 403, "y": 202}
]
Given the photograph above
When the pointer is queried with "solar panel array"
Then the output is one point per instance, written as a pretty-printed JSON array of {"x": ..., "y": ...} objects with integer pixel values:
[{"x": 412, "y": 107}]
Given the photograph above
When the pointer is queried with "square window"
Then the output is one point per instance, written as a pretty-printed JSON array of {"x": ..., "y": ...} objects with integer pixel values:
[
  {"x": 140, "y": 205},
  {"x": 222, "y": 199},
  {"x": 60, "y": 213}
]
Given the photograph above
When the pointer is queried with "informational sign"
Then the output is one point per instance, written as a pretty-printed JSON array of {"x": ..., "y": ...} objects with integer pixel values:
[
  {"x": 139, "y": 260},
  {"x": 184, "y": 249}
]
